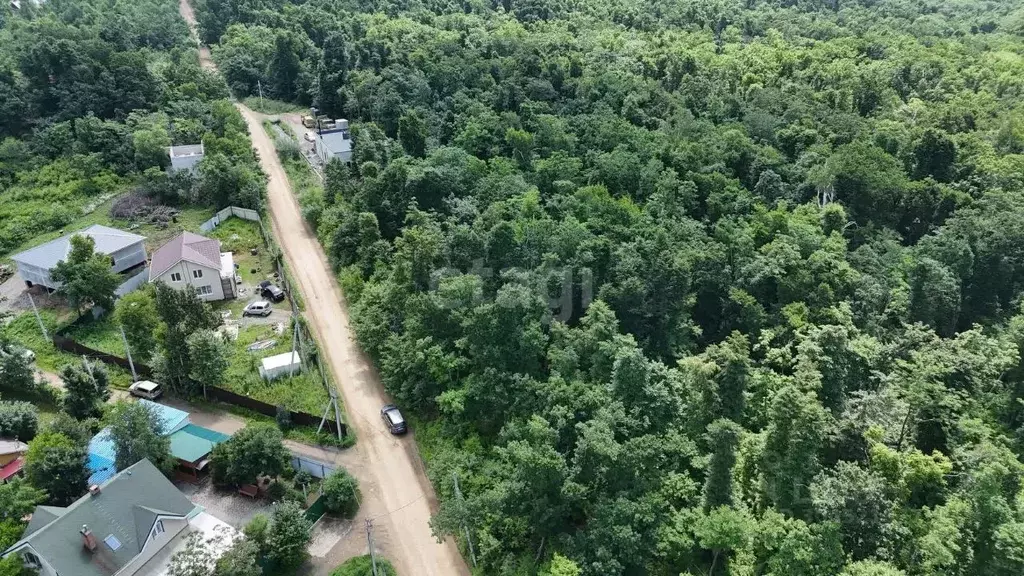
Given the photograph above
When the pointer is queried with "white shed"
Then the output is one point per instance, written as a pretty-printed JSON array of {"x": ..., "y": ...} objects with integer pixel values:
[
  {"x": 186, "y": 157},
  {"x": 287, "y": 364}
]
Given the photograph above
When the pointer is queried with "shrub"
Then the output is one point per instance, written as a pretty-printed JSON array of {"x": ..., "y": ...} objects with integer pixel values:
[
  {"x": 283, "y": 417},
  {"x": 18, "y": 420},
  {"x": 363, "y": 566},
  {"x": 341, "y": 493},
  {"x": 276, "y": 491}
]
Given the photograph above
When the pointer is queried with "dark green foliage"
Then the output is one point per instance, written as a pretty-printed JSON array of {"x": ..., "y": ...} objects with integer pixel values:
[
  {"x": 85, "y": 389},
  {"x": 253, "y": 452},
  {"x": 341, "y": 493},
  {"x": 86, "y": 276},
  {"x": 18, "y": 420},
  {"x": 287, "y": 537},
  {"x": 56, "y": 465}
]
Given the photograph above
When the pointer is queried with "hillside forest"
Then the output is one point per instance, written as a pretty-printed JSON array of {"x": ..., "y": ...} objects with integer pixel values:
[
  {"x": 701, "y": 287},
  {"x": 92, "y": 92}
]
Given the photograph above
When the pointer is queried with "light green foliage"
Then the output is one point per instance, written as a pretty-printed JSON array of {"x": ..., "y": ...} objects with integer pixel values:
[
  {"x": 251, "y": 453},
  {"x": 341, "y": 493},
  {"x": 288, "y": 536},
  {"x": 209, "y": 357},
  {"x": 136, "y": 314},
  {"x": 363, "y": 566},
  {"x": 86, "y": 276},
  {"x": 136, "y": 431},
  {"x": 18, "y": 420}
]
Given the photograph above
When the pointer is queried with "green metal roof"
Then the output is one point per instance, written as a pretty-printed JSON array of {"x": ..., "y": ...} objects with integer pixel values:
[
  {"x": 137, "y": 494},
  {"x": 192, "y": 442}
]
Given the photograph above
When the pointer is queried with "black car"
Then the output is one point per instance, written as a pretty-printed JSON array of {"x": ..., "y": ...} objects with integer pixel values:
[
  {"x": 393, "y": 419},
  {"x": 271, "y": 292}
]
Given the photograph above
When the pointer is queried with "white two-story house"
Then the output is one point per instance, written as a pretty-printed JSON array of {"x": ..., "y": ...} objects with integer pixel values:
[{"x": 193, "y": 260}]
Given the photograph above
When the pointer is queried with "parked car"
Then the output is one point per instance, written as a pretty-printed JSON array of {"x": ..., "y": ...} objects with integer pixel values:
[
  {"x": 271, "y": 292},
  {"x": 308, "y": 136},
  {"x": 146, "y": 389},
  {"x": 393, "y": 419},
  {"x": 261, "y": 308}
]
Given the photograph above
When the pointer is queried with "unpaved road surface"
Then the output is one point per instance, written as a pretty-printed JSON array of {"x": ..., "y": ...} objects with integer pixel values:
[
  {"x": 395, "y": 465},
  {"x": 390, "y": 471}
]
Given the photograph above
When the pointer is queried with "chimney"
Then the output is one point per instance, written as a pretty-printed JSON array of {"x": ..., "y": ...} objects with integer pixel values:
[
  {"x": 94, "y": 490},
  {"x": 88, "y": 540}
]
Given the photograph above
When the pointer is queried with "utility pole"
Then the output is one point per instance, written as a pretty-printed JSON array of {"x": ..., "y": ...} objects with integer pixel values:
[
  {"x": 128, "y": 351},
  {"x": 38, "y": 319},
  {"x": 369, "y": 542},
  {"x": 260, "y": 86},
  {"x": 465, "y": 528}
]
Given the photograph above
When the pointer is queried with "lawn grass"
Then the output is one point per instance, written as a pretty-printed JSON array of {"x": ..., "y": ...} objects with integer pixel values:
[
  {"x": 239, "y": 237},
  {"x": 301, "y": 434},
  {"x": 270, "y": 106},
  {"x": 24, "y": 330},
  {"x": 98, "y": 333},
  {"x": 302, "y": 393}
]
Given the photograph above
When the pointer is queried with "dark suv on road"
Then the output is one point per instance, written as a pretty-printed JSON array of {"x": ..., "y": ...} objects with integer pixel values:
[{"x": 393, "y": 419}]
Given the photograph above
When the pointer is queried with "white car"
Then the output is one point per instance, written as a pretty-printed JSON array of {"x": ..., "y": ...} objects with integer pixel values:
[
  {"x": 261, "y": 308},
  {"x": 145, "y": 389},
  {"x": 308, "y": 136}
]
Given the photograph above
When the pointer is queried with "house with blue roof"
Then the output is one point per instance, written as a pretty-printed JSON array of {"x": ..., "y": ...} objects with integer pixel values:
[{"x": 190, "y": 444}]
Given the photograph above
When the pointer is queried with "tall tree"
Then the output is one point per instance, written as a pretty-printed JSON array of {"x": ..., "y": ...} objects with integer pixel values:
[
  {"x": 723, "y": 439},
  {"x": 86, "y": 277},
  {"x": 288, "y": 536},
  {"x": 137, "y": 433},
  {"x": 136, "y": 314},
  {"x": 56, "y": 464},
  {"x": 209, "y": 357},
  {"x": 86, "y": 388}
]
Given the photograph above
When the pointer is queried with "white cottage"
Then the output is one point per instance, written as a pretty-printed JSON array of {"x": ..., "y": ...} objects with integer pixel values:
[
  {"x": 193, "y": 260},
  {"x": 186, "y": 157}
]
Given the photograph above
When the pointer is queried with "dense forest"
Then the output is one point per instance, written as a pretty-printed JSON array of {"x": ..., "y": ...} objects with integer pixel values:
[
  {"x": 702, "y": 287},
  {"x": 672, "y": 287},
  {"x": 92, "y": 92}
]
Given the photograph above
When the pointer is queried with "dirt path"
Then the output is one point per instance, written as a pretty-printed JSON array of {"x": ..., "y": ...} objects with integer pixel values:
[
  {"x": 390, "y": 471},
  {"x": 395, "y": 465},
  {"x": 185, "y": 9}
]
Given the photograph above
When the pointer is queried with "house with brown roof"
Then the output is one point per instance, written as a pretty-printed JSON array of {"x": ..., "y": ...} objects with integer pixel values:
[{"x": 193, "y": 260}]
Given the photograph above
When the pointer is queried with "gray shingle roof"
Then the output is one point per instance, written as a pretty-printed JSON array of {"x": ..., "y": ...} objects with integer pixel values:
[
  {"x": 108, "y": 240},
  {"x": 188, "y": 247},
  {"x": 136, "y": 496}
]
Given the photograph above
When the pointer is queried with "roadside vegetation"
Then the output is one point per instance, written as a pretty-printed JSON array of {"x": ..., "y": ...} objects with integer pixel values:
[{"x": 682, "y": 287}]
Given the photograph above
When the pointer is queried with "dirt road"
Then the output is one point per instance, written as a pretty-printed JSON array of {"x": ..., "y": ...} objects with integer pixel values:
[
  {"x": 392, "y": 472},
  {"x": 397, "y": 469}
]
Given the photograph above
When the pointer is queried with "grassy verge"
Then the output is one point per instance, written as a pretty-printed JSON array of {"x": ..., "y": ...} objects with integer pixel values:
[
  {"x": 301, "y": 434},
  {"x": 240, "y": 237},
  {"x": 270, "y": 106},
  {"x": 24, "y": 330}
]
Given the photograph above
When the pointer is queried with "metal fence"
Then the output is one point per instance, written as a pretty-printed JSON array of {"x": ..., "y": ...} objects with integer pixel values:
[
  {"x": 243, "y": 213},
  {"x": 317, "y": 469},
  {"x": 133, "y": 283}
]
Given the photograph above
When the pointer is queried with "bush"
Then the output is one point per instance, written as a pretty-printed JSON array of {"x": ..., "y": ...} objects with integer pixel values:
[
  {"x": 341, "y": 493},
  {"x": 276, "y": 491},
  {"x": 283, "y": 417},
  {"x": 18, "y": 420},
  {"x": 363, "y": 566}
]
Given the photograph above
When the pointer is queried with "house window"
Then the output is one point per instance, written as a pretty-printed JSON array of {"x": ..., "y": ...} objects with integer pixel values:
[
  {"x": 175, "y": 277},
  {"x": 158, "y": 529},
  {"x": 197, "y": 273},
  {"x": 32, "y": 560},
  {"x": 112, "y": 542},
  {"x": 203, "y": 290}
]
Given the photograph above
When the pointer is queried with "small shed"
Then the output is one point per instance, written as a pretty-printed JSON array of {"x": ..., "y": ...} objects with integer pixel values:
[{"x": 287, "y": 364}]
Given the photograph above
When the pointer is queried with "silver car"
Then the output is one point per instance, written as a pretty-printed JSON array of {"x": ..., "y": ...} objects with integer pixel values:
[{"x": 261, "y": 308}]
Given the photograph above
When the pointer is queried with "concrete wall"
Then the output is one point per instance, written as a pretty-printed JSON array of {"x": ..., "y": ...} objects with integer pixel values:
[{"x": 210, "y": 278}]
